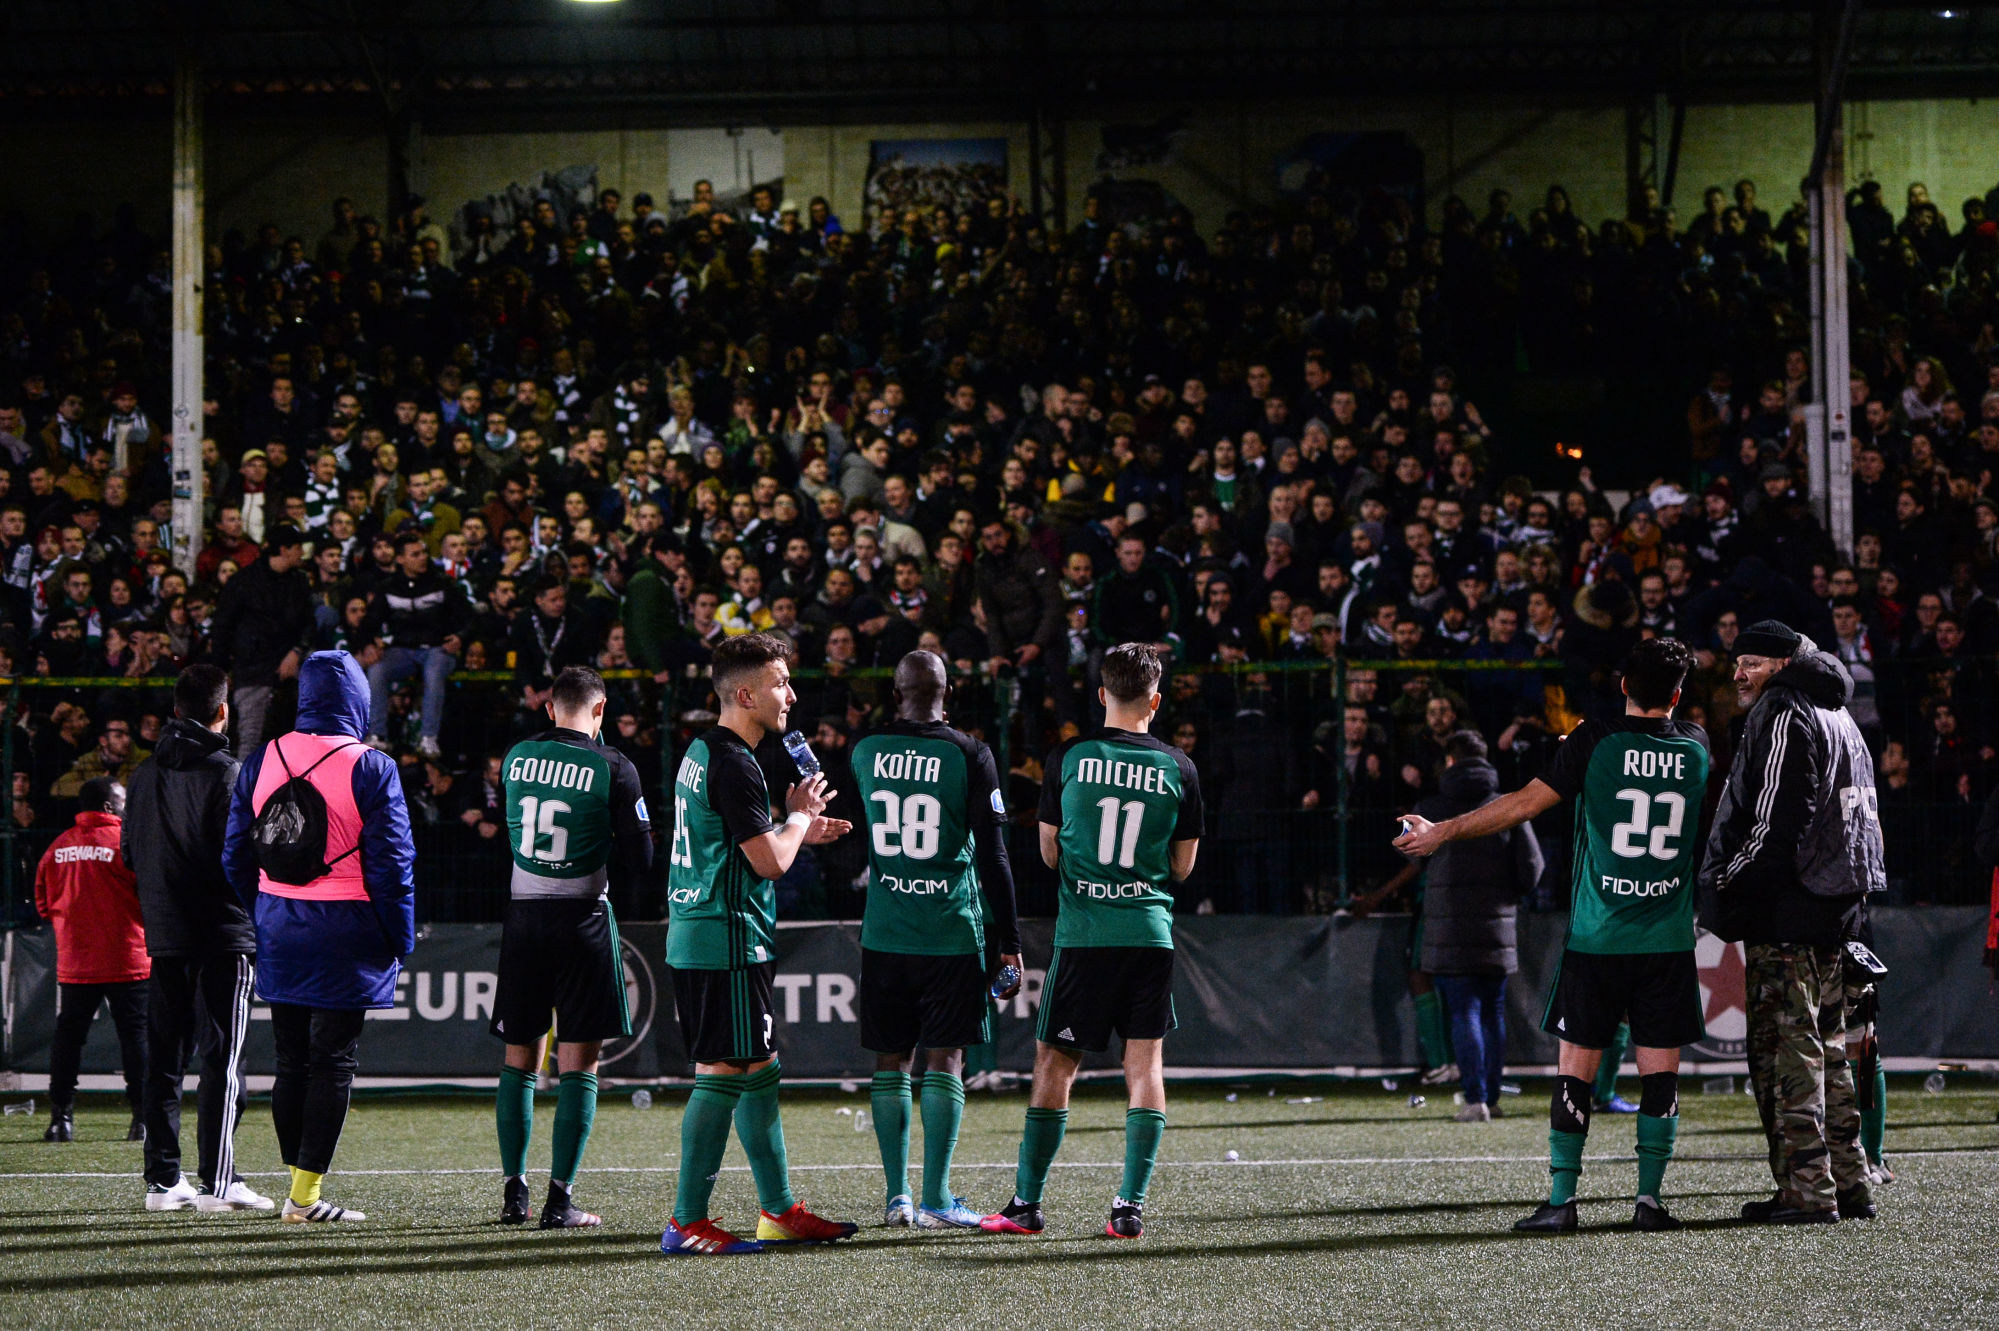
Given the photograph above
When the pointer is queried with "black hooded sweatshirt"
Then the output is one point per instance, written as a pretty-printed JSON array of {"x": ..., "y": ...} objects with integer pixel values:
[{"x": 176, "y": 810}]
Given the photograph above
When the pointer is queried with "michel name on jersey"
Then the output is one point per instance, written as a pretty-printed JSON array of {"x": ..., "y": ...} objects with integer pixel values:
[{"x": 1123, "y": 776}]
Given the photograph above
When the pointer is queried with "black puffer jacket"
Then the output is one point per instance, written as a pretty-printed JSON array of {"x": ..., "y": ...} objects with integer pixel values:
[
  {"x": 176, "y": 810},
  {"x": 1796, "y": 842},
  {"x": 1471, "y": 898}
]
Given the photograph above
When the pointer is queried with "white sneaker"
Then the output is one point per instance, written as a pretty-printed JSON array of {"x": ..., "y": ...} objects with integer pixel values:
[
  {"x": 236, "y": 1197},
  {"x": 377, "y": 743},
  {"x": 179, "y": 1197},
  {"x": 320, "y": 1212},
  {"x": 1440, "y": 1076},
  {"x": 427, "y": 748}
]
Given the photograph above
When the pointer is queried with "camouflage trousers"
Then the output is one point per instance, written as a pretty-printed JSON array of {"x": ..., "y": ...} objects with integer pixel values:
[{"x": 1800, "y": 1073}]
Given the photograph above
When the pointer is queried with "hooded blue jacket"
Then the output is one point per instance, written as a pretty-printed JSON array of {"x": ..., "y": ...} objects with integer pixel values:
[{"x": 333, "y": 954}]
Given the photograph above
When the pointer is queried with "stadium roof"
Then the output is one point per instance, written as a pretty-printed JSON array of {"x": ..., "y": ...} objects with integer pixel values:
[{"x": 746, "y": 57}]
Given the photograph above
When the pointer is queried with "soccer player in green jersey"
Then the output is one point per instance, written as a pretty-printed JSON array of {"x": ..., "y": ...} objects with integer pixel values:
[
  {"x": 934, "y": 807},
  {"x": 721, "y": 948},
  {"x": 574, "y": 814},
  {"x": 1120, "y": 822},
  {"x": 1629, "y": 957}
]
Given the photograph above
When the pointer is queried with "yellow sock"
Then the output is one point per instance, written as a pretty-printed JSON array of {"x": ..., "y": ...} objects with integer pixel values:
[{"x": 305, "y": 1187}]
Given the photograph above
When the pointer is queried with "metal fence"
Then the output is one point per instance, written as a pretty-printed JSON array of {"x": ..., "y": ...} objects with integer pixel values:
[{"x": 1304, "y": 765}]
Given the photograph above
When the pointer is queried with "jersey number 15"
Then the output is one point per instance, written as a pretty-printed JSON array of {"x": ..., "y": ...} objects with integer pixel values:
[{"x": 538, "y": 821}]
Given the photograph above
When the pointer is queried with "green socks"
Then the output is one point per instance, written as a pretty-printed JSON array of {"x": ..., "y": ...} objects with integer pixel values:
[
  {"x": 1565, "y": 1164},
  {"x": 704, "y": 1135},
  {"x": 888, "y": 1100},
  {"x": 1433, "y": 1031},
  {"x": 575, "y": 1113},
  {"x": 1142, "y": 1130},
  {"x": 513, "y": 1111},
  {"x": 1655, "y": 1148},
  {"x": 943, "y": 1110},
  {"x": 762, "y": 1136},
  {"x": 1038, "y": 1145},
  {"x": 1874, "y": 1116},
  {"x": 1606, "y": 1071}
]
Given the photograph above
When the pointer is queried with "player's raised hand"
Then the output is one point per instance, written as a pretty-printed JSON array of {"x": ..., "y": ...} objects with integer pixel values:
[
  {"x": 825, "y": 829},
  {"x": 808, "y": 796},
  {"x": 1423, "y": 837}
]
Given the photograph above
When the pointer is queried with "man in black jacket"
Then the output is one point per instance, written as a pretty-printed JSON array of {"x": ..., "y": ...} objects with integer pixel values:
[
  {"x": 417, "y": 619},
  {"x": 263, "y": 624},
  {"x": 1796, "y": 848},
  {"x": 1471, "y": 903},
  {"x": 202, "y": 943}
]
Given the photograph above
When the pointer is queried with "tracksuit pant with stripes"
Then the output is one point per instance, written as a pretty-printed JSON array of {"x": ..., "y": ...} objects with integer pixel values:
[{"x": 199, "y": 1006}]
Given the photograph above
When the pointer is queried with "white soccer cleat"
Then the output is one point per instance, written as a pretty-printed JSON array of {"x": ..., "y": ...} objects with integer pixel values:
[
  {"x": 236, "y": 1197},
  {"x": 319, "y": 1213},
  {"x": 900, "y": 1213},
  {"x": 179, "y": 1197}
]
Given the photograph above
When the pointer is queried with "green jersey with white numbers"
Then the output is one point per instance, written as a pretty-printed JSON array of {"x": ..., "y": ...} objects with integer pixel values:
[
  {"x": 573, "y": 804},
  {"x": 933, "y": 810},
  {"x": 722, "y": 915},
  {"x": 1637, "y": 783},
  {"x": 1119, "y": 800}
]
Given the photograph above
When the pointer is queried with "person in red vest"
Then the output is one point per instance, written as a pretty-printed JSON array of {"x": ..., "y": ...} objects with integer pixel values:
[{"x": 85, "y": 890}]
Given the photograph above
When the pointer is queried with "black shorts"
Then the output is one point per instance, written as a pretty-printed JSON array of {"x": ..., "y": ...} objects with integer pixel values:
[
  {"x": 1658, "y": 993},
  {"x": 1091, "y": 993},
  {"x": 908, "y": 1000},
  {"x": 726, "y": 1016},
  {"x": 560, "y": 956}
]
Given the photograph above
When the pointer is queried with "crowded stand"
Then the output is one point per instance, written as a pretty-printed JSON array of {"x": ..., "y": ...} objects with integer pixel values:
[{"x": 615, "y": 435}]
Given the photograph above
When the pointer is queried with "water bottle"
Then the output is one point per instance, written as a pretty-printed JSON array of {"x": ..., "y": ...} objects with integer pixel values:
[
  {"x": 1008, "y": 977},
  {"x": 12, "y": 1110},
  {"x": 642, "y": 1099}
]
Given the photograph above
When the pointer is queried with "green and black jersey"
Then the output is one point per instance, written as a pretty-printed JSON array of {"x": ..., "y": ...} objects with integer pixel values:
[
  {"x": 934, "y": 810},
  {"x": 1119, "y": 800},
  {"x": 721, "y": 914},
  {"x": 574, "y": 810},
  {"x": 1637, "y": 783}
]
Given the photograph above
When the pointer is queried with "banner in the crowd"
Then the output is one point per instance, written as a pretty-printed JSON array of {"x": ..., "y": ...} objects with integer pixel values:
[{"x": 1249, "y": 993}]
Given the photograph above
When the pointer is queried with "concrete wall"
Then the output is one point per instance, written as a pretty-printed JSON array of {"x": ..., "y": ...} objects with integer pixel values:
[{"x": 287, "y": 169}]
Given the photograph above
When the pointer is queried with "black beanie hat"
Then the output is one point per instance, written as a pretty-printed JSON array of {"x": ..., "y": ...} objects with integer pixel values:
[{"x": 1768, "y": 637}]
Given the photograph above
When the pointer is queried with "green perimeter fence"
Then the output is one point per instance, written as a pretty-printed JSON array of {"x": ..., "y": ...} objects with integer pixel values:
[{"x": 1298, "y": 820}]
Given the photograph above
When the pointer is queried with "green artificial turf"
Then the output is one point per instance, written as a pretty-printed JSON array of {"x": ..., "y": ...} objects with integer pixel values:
[{"x": 1350, "y": 1209}]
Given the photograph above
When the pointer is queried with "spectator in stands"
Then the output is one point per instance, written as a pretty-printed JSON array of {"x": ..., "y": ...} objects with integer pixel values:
[
  {"x": 262, "y": 629},
  {"x": 417, "y": 621}
]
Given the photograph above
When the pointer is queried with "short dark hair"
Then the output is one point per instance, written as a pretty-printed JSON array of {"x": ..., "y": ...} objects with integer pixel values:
[
  {"x": 98, "y": 795},
  {"x": 1464, "y": 745},
  {"x": 1655, "y": 670},
  {"x": 199, "y": 693},
  {"x": 736, "y": 657},
  {"x": 577, "y": 688},
  {"x": 1131, "y": 671}
]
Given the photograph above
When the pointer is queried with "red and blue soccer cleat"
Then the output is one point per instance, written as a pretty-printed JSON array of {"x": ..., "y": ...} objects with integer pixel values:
[{"x": 704, "y": 1238}]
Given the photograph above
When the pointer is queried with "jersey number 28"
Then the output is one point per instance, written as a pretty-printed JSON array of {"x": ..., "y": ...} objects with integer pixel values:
[{"x": 908, "y": 825}]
